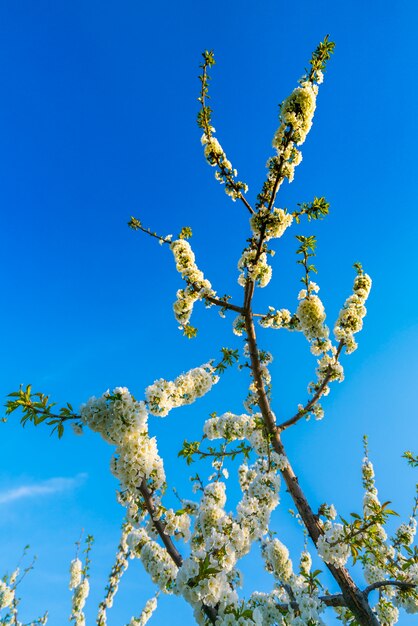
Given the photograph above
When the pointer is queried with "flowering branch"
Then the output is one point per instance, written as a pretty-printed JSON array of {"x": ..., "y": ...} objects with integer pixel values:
[
  {"x": 213, "y": 151},
  {"x": 318, "y": 394}
]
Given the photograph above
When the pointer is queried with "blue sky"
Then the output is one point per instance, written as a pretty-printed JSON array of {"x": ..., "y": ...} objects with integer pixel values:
[{"x": 97, "y": 123}]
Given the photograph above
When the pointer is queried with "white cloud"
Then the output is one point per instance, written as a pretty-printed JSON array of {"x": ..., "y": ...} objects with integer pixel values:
[{"x": 43, "y": 488}]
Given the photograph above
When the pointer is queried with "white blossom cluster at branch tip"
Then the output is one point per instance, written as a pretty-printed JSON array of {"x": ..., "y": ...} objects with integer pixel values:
[
  {"x": 76, "y": 570},
  {"x": 165, "y": 395},
  {"x": 146, "y": 613},
  {"x": 305, "y": 563},
  {"x": 276, "y": 557},
  {"x": 225, "y": 173},
  {"x": 197, "y": 286},
  {"x": 296, "y": 115},
  {"x": 350, "y": 319}
]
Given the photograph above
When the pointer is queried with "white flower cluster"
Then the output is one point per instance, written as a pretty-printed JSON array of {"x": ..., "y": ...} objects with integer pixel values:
[
  {"x": 383, "y": 557},
  {"x": 76, "y": 570},
  {"x": 137, "y": 460},
  {"x": 238, "y": 325},
  {"x": 233, "y": 427},
  {"x": 198, "y": 287},
  {"x": 276, "y": 557},
  {"x": 122, "y": 420},
  {"x": 146, "y": 614},
  {"x": 155, "y": 559},
  {"x": 209, "y": 576},
  {"x": 253, "y": 268},
  {"x": 267, "y": 607},
  {"x": 293, "y": 590},
  {"x": 80, "y": 595},
  {"x": 298, "y": 110},
  {"x": 296, "y": 115},
  {"x": 261, "y": 485},
  {"x": 311, "y": 316},
  {"x": 305, "y": 563},
  {"x": 205, "y": 576},
  {"x": 7, "y": 595},
  {"x": 215, "y": 156},
  {"x": 113, "y": 414},
  {"x": 328, "y": 369},
  {"x": 408, "y": 601},
  {"x": 332, "y": 545},
  {"x": 387, "y": 613},
  {"x": 118, "y": 569},
  {"x": 281, "y": 318},
  {"x": 405, "y": 534},
  {"x": 165, "y": 395},
  {"x": 230, "y": 426},
  {"x": 350, "y": 319},
  {"x": 177, "y": 525},
  {"x": 271, "y": 223}
]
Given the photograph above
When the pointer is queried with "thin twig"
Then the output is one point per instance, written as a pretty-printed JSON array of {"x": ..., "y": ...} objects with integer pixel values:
[
  {"x": 319, "y": 392},
  {"x": 208, "y": 132}
]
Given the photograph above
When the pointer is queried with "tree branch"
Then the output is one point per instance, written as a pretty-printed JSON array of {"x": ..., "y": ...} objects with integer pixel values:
[
  {"x": 387, "y": 583},
  {"x": 298, "y": 416},
  {"x": 159, "y": 527},
  {"x": 224, "y": 304},
  {"x": 175, "y": 555},
  {"x": 354, "y": 598}
]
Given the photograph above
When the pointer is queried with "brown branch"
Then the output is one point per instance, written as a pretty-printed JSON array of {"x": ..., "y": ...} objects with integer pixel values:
[
  {"x": 247, "y": 204},
  {"x": 167, "y": 541},
  {"x": 159, "y": 526},
  {"x": 353, "y": 597},
  {"x": 319, "y": 392},
  {"x": 386, "y": 583},
  {"x": 224, "y": 304}
]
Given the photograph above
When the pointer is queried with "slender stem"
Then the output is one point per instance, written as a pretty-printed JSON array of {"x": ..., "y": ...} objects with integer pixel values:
[
  {"x": 224, "y": 304},
  {"x": 147, "y": 231},
  {"x": 319, "y": 392},
  {"x": 209, "y": 134},
  {"x": 38, "y": 411}
]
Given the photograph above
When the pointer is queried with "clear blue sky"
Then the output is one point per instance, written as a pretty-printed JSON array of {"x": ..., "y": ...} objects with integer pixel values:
[{"x": 97, "y": 122}]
